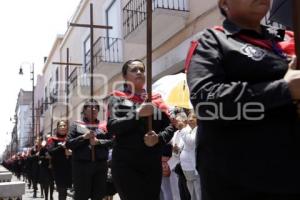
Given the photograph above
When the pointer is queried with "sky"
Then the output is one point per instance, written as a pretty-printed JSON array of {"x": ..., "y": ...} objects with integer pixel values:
[{"x": 28, "y": 31}]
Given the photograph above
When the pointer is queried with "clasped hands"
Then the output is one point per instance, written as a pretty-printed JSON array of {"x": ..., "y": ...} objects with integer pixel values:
[
  {"x": 292, "y": 77},
  {"x": 147, "y": 110},
  {"x": 68, "y": 152},
  {"x": 151, "y": 139},
  {"x": 91, "y": 136}
]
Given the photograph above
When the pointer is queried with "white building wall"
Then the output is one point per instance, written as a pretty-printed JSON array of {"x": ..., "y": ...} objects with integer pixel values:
[
  {"x": 74, "y": 40},
  {"x": 38, "y": 101},
  {"x": 168, "y": 57},
  {"x": 173, "y": 61},
  {"x": 54, "y": 110},
  {"x": 24, "y": 125}
]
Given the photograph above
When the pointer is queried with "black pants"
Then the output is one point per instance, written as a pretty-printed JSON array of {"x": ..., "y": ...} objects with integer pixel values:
[
  {"x": 89, "y": 180},
  {"x": 35, "y": 186},
  {"x": 137, "y": 182},
  {"x": 183, "y": 190},
  {"x": 215, "y": 187},
  {"x": 46, "y": 187},
  {"x": 29, "y": 182},
  {"x": 62, "y": 193}
]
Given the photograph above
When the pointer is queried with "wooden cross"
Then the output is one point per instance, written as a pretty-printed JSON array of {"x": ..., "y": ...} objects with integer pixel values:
[
  {"x": 149, "y": 57},
  {"x": 67, "y": 64},
  {"x": 296, "y": 23},
  {"x": 91, "y": 26}
]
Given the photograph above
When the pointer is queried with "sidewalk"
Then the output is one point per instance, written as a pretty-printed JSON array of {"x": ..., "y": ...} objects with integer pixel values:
[{"x": 29, "y": 193}]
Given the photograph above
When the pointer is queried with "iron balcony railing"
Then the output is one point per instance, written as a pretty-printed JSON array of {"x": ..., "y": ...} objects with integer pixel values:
[
  {"x": 106, "y": 49},
  {"x": 73, "y": 79},
  {"x": 46, "y": 104},
  {"x": 53, "y": 95},
  {"x": 134, "y": 13}
]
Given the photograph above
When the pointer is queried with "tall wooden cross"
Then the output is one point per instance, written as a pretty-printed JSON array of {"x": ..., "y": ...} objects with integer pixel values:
[
  {"x": 296, "y": 23},
  {"x": 67, "y": 64},
  {"x": 149, "y": 57},
  {"x": 91, "y": 26}
]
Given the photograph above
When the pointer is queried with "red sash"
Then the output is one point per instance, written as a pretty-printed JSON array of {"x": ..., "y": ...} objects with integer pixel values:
[
  {"x": 53, "y": 139},
  {"x": 100, "y": 125},
  {"x": 156, "y": 100},
  {"x": 287, "y": 47}
]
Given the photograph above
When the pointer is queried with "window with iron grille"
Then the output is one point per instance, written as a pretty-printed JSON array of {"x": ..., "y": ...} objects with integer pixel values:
[
  {"x": 86, "y": 53},
  {"x": 42, "y": 106},
  {"x": 56, "y": 80},
  {"x": 113, "y": 19},
  {"x": 46, "y": 99}
]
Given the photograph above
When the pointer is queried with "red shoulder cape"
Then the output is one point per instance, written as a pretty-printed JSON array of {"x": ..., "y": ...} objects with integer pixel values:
[
  {"x": 101, "y": 125},
  {"x": 286, "y": 46},
  {"x": 156, "y": 100}
]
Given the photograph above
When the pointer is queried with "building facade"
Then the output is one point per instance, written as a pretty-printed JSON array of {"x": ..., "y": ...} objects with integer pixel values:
[
  {"x": 175, "y": 23},
  {"x": 24, "y": 119}
]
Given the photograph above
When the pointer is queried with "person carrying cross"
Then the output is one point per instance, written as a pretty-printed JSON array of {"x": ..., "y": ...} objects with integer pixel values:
[{"x": 245, "y": 91}]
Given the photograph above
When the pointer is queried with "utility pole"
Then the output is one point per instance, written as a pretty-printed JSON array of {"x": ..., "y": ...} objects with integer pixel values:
[{"x": 33, "y": 121}]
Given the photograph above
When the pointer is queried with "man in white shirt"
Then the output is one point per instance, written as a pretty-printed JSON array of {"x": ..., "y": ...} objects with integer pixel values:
[
  {"x": 177, "y": 144},
  {"x": 188, "y": 158}
]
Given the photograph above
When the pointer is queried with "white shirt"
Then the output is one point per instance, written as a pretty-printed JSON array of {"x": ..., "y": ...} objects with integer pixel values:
[
  {"x": 188, "y": 154},
  {"x": 176, "y": 140}
]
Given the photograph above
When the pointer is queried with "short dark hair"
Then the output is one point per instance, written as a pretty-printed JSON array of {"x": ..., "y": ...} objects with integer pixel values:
[
  {"x": 60, "y": 121},
  {"x": 127, "y": 64},
  {"x": 91, "y": 102}
]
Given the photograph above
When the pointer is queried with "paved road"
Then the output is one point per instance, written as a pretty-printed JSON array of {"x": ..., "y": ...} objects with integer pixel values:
[{"x": 29, "y": 194}]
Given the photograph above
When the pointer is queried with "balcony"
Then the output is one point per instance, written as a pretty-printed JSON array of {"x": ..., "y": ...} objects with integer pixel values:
[
  {"x": 73, "y": 79},
  {"x": 106, "y": 50},
  {"x": 54, "y": 95},
  {"x": 169, "y": 16},
  {"x": 108, "y": 57}
]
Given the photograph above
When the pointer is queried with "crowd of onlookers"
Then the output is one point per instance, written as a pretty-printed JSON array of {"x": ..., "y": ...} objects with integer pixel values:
[{"x": 181, "y": 161}]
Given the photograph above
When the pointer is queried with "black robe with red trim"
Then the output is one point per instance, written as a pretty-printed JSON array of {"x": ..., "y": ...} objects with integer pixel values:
[
  {"x": 61, "y": 164},
  {"x": 129, "y": 129},
  {"x": 81, "y": 149},
  {"x": 249, "y": 129}
]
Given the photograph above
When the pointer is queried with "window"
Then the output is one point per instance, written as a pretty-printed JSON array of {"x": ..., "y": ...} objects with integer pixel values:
[
  {"x": 87, "y": 51},
  {"x": 46, "y": 99},
  {"x": 51, "y": 90},
  {"x": 42, "y": 106},
  {"x": 111, "y": 45},
  {"x": 56, "y": 81},
  {"x": 113, "y": 18}
]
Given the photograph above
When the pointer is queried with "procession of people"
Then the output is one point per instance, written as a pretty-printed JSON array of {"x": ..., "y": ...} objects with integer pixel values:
[{"x": 239, "y": 141}]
